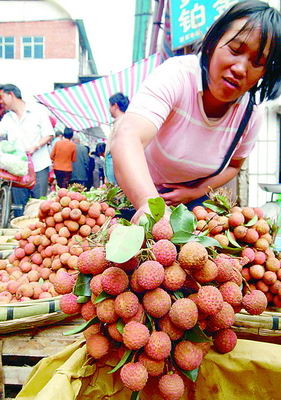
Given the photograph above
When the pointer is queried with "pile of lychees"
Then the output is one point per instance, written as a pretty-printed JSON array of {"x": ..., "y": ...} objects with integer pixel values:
[
  {"x": 250, "y": 235},
  {"x": 165, "y": 302},
  {"x": 50, "y": 248}
]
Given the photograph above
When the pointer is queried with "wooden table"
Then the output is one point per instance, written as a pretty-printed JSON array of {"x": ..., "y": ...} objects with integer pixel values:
[{"x": 21, "y": 350}]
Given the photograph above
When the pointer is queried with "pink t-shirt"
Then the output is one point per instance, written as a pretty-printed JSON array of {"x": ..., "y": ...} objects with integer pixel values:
[{"x": 188, "y": 144}]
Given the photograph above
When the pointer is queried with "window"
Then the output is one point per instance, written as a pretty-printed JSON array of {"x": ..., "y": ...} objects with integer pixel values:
[
  {"x": 7, "y": 47},
  {"x": 32, "y": 47}
]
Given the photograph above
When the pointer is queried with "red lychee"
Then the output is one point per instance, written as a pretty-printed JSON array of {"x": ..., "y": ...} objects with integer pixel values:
[{"x": 165, "y": 252}]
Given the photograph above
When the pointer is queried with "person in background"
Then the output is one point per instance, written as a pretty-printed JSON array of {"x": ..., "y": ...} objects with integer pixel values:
[
  {"x": 29, "y": 125},
  {"x": 179, "y": 127},
  {"x": 96, "y": 167},
  {"x": 63, "y": 155},
  {"x": 118, "y": 104},
  {"x": 80, "y": 167},
  {"x": 58, "y": 136}
]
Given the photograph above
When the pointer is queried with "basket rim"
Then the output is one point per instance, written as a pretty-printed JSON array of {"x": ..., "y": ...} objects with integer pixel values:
[{"x": 31, "y": 302}]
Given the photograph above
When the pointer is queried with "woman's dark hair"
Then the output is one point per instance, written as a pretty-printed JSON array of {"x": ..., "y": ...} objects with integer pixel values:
[
  {"x": 68, "y": 133},
  {"x": 259, "y": 15},
  {"x": 119, "y": 99}
]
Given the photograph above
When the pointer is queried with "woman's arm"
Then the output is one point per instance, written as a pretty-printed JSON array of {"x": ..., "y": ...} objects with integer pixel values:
[
  {"x": 130, "y": 167},
  {"x": 183, "y": 194}
]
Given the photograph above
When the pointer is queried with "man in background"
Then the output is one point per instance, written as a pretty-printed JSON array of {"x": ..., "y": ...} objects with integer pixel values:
[
  {"x": 118, "y": 104},
  {"x": 29, "y": 125},
  {"x": 80, "y": 167}
]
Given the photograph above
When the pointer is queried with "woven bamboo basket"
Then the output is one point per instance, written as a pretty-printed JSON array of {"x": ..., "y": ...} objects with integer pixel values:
[
  {"x": 27, "y": 314},
  {"x": 7, "y": 242},
  {"x": 264, "y": 327},
  {"x": 23, "y": 222}
]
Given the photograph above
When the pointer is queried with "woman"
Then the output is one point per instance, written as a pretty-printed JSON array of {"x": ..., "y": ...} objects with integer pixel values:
[{"x": 180, "y": 125}]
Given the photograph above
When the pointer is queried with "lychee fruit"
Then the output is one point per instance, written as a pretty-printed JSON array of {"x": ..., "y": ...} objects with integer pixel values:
[
  {"x": 162, "y": 229},
  {"x": 231, "y": 293},
  {"x": 97, "y": 345},
  {"x": 88, "y": 310},
  {"x": 255, "y": 302},
  {"x": 64, "y": 282},
  {"x": 171, "y": 386},
  {"x": 159, "y": 345},
  {"x": 157, "y": 302},
  {"x": 174, "y": 278},
  {"x": 106, "y": 311},
  {"x": 184, "y": 313},
  {"x": 68, "y": 304},
  {"x": 222, "y": 319},
  {"x": 165, "y": 252},
  {"x": 207, "y": 273},
  {"x": 187, "y": 355},
  {"x": 166, "y": 325},
  {"x": 126, "y": 304},
  {"x": 134, "y": 376},
  {"x": 150, "y": 274},
  {"x": 192, "y": 255},
  {"x": 153, "y": 367},
  {"x": 92, "y": 261},
  {"x": 114, "y": 333},
  {"x": 224, "y": 340},
  {"x": 135, "y": 335},
  {"x": 114, "y": 281},
  {"x": 209, "y": 300}
]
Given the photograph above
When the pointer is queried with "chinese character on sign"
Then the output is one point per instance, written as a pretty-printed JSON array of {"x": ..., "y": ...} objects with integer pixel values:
[
  {"x": 222, "y": 5},
  {"x": 184, "y": 3},
  {"x": 192, "y": 19}
]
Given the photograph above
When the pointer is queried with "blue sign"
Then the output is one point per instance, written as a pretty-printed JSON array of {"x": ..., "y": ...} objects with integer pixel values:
[{"x": 190, "y": 19}]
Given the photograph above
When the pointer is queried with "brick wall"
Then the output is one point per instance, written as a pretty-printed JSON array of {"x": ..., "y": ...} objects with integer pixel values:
[{"x": 59, "y": 36}]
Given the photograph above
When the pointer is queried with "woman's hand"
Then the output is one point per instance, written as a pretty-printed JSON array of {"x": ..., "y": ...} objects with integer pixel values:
[
  {"x": 144, "y": 209},
  {"x": 180, "y": 194}
]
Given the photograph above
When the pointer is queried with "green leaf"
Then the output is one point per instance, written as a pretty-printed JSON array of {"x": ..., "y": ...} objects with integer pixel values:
[
  {"x": 231, "y": 240},
  {"x": 182, "y": 237},
  {"x": 135, "y": 396},
  {"x": 120, "y": 326},
  {"x": 232, "y": 250},
  {"x": 223, "y": 201},
  {"x": 102, "y": 296},
  {"x": 157, "y": 207},
  {"x": 208, "y": 241},
  {"x": 196, "y": 335},
  {"x": 218, "y": 209},
  {"x": 178, "y": 294},
  {"x": 124, "y": 243},
  {"x": 150, "y": 322},
  {"x": 192, "y": 375},
  {"x": 83, "y": 299},
  {"x": 182, "y": 219},
  {"x": 82, "y": 327},
  {"x": 121, "y": 362},
  {"x": 82, "y": 285},
  {"x": 252, "y": 221}
]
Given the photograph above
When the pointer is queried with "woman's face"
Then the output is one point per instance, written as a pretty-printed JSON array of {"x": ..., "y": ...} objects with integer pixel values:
[{"x": 234, "y": 66}]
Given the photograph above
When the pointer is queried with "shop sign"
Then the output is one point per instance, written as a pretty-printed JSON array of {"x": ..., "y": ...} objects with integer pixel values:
[{"x": 190, "y": 19}]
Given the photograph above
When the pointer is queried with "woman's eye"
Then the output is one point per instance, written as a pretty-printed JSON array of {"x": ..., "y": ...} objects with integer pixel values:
[{"x": 234, "y": 50}]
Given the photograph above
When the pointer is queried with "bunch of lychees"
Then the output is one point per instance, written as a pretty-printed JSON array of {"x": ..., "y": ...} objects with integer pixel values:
[{"x": 163, "y": 293}]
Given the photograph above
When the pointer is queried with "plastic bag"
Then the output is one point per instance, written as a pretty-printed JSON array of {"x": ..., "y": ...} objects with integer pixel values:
[
  {"x": 27, "y": 181},
  {"x": 13, "y": 159}
]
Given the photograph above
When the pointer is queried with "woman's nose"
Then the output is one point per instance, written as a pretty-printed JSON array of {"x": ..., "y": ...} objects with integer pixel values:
[{"x": 239, "y": 67}]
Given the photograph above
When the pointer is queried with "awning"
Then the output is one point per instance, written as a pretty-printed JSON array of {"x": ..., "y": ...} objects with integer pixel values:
[{"x": 86, "y": 105}]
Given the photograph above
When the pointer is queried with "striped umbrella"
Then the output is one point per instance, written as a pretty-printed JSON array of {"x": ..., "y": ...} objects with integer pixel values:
[{"x": 86, "y": 105}]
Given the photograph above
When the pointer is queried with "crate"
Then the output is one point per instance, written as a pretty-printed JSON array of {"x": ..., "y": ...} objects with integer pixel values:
[{"x": 21, "y": 351}]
